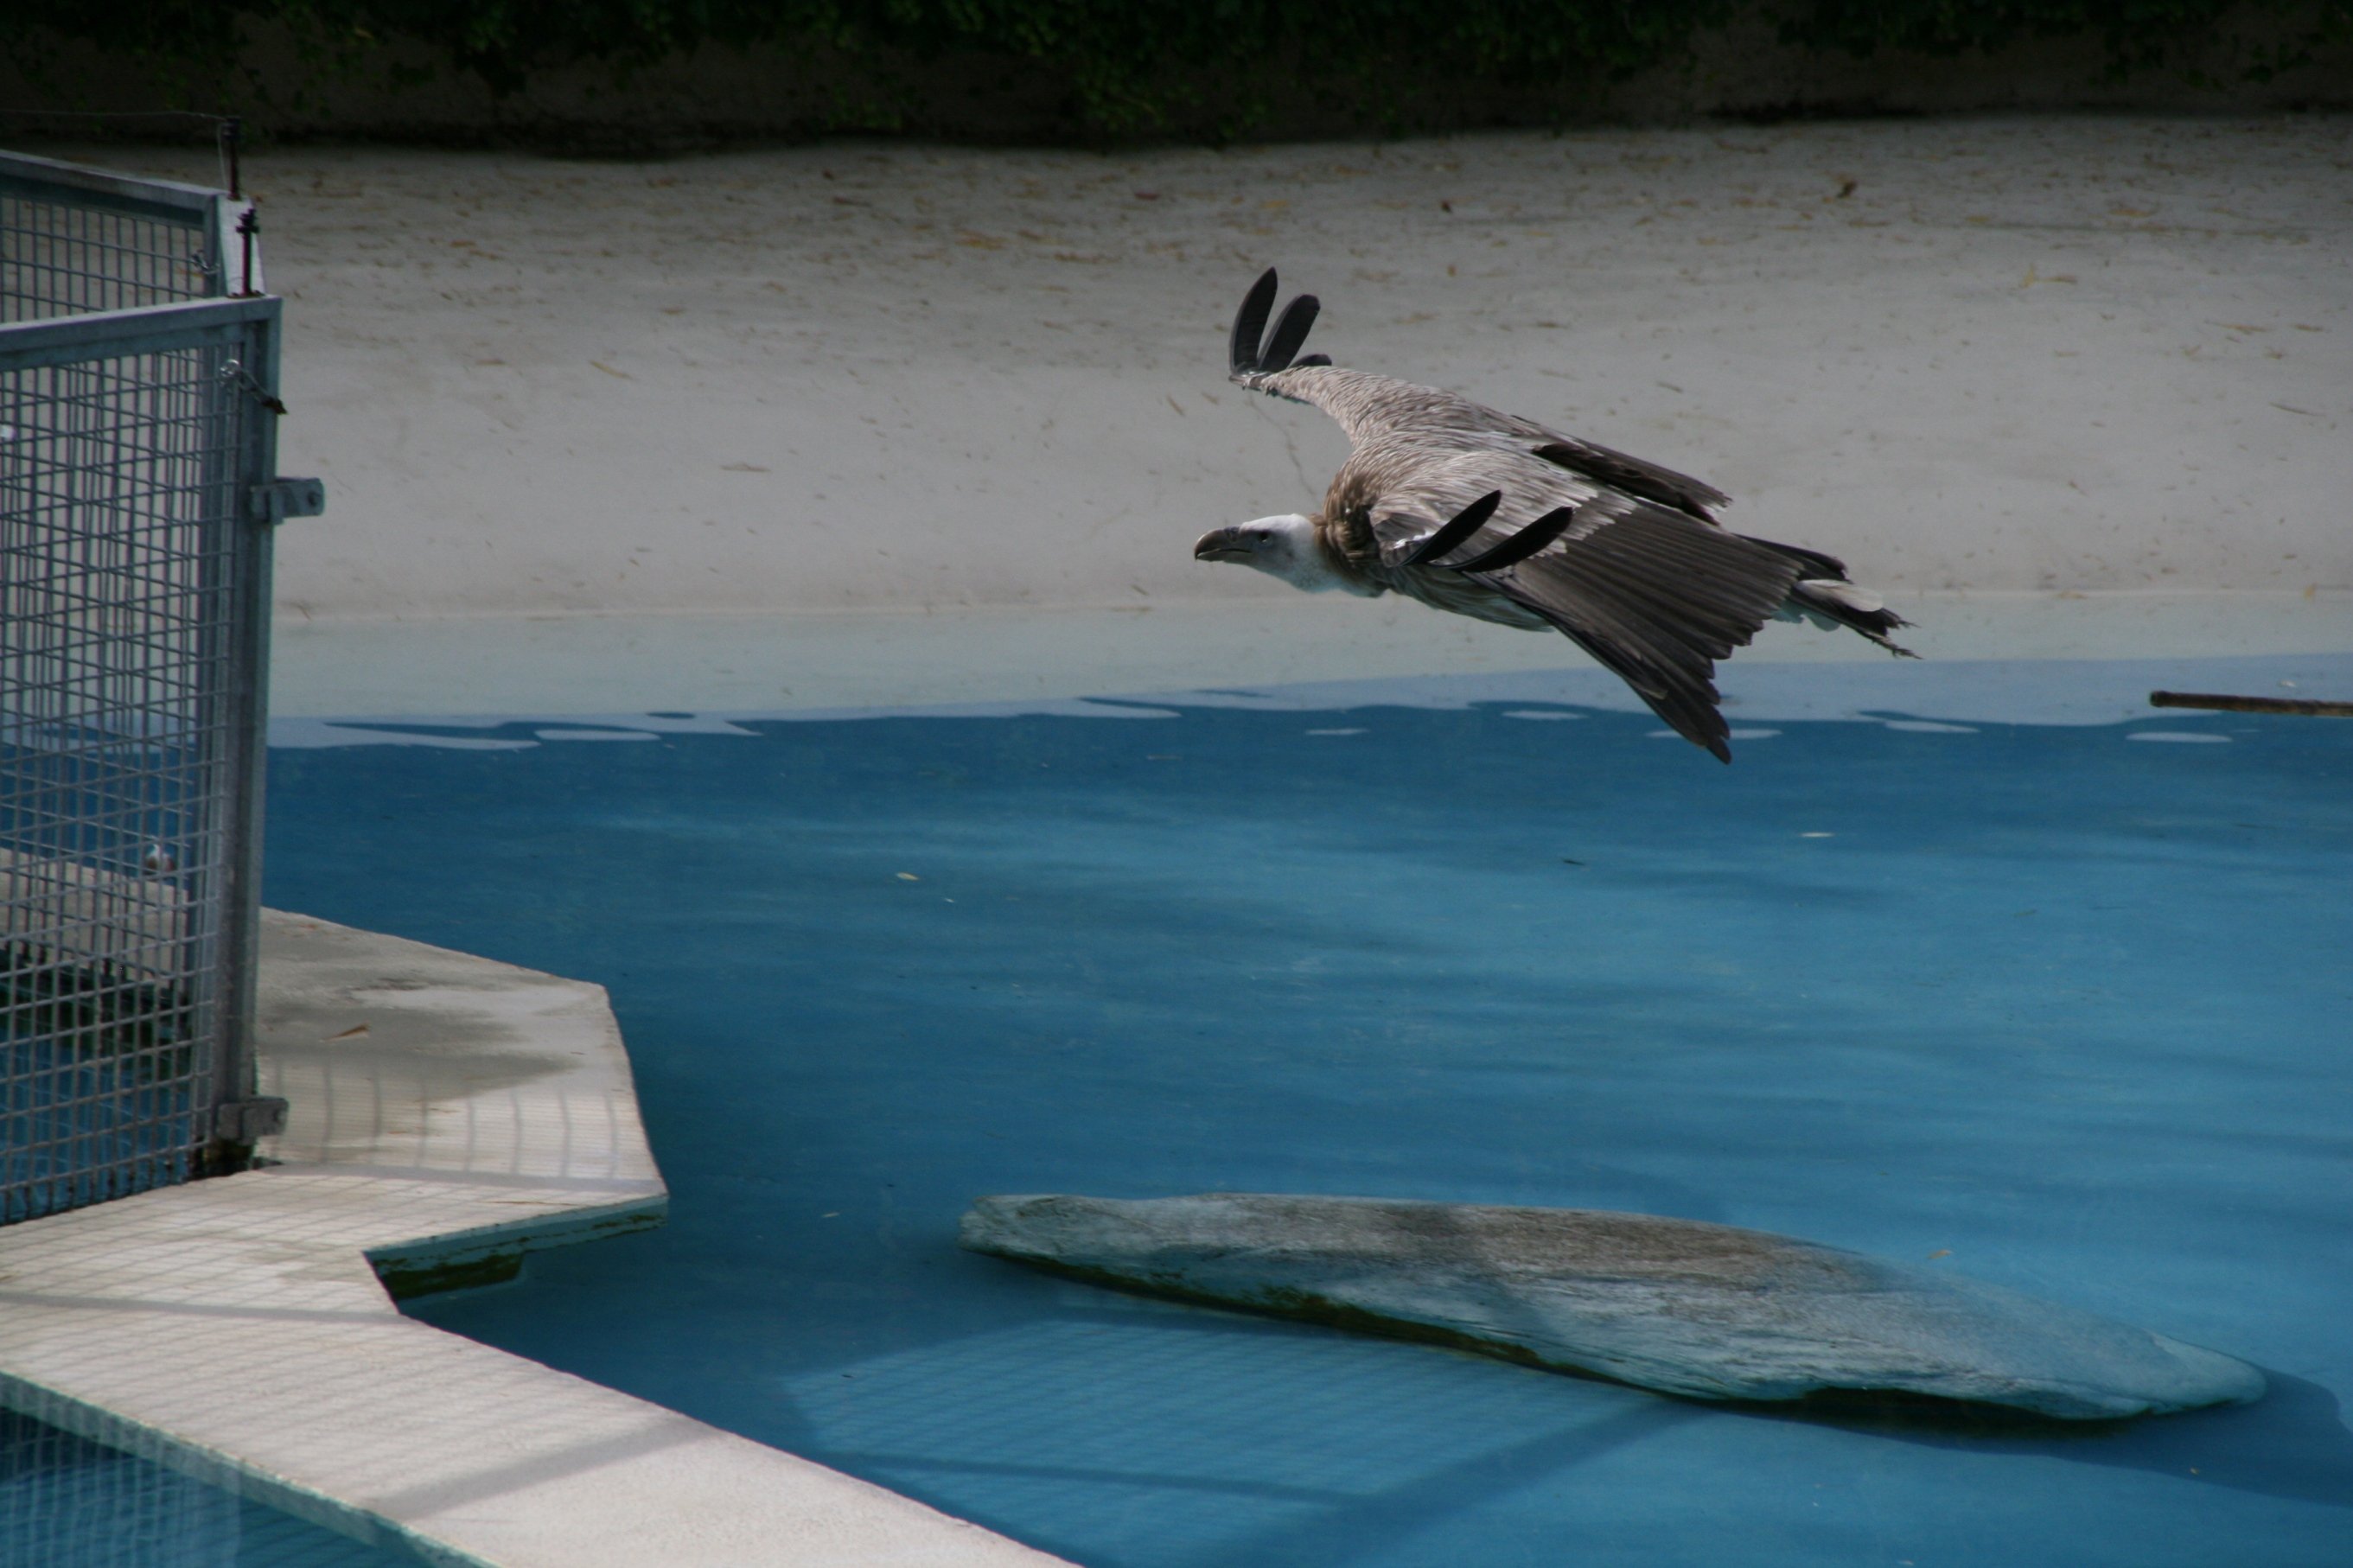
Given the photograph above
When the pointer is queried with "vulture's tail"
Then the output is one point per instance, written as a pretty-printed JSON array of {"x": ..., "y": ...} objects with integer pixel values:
[{"x": 1827, "y": 598}]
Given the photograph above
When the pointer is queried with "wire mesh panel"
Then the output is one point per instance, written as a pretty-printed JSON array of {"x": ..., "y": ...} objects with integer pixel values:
[
  {"x": 75, "y": 240},
  {"x": 55, "y": 260},
  {"x": 135, "y": 448}
]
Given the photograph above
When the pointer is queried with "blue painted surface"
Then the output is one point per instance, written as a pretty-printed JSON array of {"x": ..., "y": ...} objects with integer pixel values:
[
  {"x": 2063, "y": 1011},
  {"x": 67, "y": 1502}
]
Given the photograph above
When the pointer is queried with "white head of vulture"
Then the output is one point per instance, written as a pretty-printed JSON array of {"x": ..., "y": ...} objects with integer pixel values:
[{"x": 1486, "y": 514}]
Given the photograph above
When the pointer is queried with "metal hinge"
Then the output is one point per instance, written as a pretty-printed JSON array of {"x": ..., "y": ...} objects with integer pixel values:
[
  {"x": 246, "y": 1121},
  {"x": 283, "y": 498}
]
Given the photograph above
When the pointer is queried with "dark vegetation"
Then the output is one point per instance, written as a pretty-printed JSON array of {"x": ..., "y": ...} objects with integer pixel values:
[{"x": 1109, "y": 68}]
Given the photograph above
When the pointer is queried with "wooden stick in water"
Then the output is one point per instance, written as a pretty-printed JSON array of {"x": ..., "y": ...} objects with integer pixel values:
[{"x": 2250, "y": 704}]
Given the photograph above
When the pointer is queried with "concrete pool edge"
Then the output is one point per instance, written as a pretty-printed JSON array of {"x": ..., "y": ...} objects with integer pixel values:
[{"x": 236, "y": 1329}]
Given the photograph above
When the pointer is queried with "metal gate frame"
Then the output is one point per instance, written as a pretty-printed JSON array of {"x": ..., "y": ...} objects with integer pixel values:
[{"x": 138, "y": 493}]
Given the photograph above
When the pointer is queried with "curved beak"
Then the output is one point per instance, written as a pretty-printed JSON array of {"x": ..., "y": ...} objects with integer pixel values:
[{"x": 1222, "y": 544}]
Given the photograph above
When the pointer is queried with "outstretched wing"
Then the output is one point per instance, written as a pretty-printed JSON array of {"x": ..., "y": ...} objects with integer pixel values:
[
  {"x": 1658, "y": 596},
  {"x": 1654, "y": 594},
  {"x": 1377, "y": 407}
]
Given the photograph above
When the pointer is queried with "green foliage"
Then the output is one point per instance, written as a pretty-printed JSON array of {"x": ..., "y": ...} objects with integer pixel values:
[
  {"x": 2134, "y": 34},
  {"x": 1129, "y": 67}
]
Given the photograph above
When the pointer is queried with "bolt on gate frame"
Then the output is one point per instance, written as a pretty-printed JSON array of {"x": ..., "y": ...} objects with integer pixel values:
[{"x": 138, "y": 492}]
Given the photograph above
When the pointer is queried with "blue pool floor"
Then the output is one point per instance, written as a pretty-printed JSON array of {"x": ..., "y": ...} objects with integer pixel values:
[
  {"x": 2054, "y": 1005},
  {"x": 67, "y": 1502}
]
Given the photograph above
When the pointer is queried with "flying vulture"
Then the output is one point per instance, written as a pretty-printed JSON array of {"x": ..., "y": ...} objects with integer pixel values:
[{"x": 1489, "y": 515}]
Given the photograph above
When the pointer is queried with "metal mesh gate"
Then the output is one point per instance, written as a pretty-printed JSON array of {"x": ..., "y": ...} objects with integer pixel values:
[
  {"x": 137, "y": 448},
  {"x": 75, "y": 240}
]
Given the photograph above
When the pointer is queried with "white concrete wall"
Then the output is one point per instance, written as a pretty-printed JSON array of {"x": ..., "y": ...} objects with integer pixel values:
[{"x": 2005, "y": 354}]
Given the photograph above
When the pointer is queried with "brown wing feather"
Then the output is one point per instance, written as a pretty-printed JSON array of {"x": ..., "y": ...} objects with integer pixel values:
[
  {"x": 1635, "y": 476},
  {"x": 1372, "y": 408}
]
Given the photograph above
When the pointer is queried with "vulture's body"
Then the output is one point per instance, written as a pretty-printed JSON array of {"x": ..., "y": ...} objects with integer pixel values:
[{"x": 1482, "y": 513}]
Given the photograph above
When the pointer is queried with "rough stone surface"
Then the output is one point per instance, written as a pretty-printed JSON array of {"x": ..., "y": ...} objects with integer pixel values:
[{"x": 1703, "y": 1310}]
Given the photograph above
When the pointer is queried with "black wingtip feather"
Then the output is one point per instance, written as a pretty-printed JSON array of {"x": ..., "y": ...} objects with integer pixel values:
[
  {"x": 1523, "y": 544},
  {"x": 1305, "y": 360},
  {"x": 1693, "y": 715},
  {"x": 1249, "y": 321},
  {"x": 1686, "y": 699},
  {"x": 1465, "y": 523},
  {"x": 1291, "y": 330}
]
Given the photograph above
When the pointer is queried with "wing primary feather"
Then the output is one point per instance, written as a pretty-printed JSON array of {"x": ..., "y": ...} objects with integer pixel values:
[
  {"x": 1665, "y": 621},
  {"x": 1521, "y": 545},
  {"x": 1666, "y": 488},
  {"x": 1304, "y": 361},
  {"x": 1822, "y": 565},
  {"x": 1249, "y": 321},
  {"x": 1291, "y": 330},
  {"x": 1465, "y": 523},
  {"x": 1686, "y": 700}
]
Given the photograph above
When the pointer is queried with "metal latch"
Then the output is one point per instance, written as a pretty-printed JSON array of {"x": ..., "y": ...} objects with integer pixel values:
[
  {"x": 246, "y": 1120},
  {"x": 283, "y": 498}
]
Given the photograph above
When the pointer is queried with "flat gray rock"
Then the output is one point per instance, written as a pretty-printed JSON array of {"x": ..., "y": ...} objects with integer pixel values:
[{"x": 1706, "y": 1311}]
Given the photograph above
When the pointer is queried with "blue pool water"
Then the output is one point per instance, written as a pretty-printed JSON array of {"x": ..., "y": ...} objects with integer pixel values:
[
  {"x": 2062, "y": 1006},
  {"x": 67, "y": 1502}
]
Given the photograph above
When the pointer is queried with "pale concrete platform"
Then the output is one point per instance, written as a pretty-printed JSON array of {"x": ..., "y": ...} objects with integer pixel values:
[{"x": 448, "y": 1113}]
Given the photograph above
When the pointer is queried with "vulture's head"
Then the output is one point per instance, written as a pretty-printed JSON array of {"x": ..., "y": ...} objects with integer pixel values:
[{"x": 1282, "y": 547}]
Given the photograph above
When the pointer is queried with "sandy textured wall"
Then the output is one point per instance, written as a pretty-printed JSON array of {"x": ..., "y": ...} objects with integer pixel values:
[{"x": 2087, "y": 353}]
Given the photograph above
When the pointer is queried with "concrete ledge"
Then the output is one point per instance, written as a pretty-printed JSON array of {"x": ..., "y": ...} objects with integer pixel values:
[{"x": 448, "y": 1114}]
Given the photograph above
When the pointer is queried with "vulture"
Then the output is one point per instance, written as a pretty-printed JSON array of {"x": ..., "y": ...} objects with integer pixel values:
[{"x": 1483, "y": 513}]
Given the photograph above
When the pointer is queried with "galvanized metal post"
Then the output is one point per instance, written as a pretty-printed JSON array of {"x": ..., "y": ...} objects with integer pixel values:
[{"x": 238, "y": 1117}]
